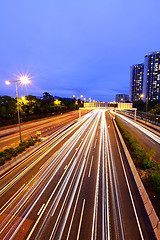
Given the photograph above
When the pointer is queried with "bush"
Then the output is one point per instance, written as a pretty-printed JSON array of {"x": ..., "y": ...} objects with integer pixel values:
[
  {"x": 155, "y": 178},
  {"x": 20, "y": 149},
  {"x": 142, "y": 159},
  {"x": 2, "y": 161},
  {"x": 27, "y": 144},
  {"x": 15, "y": 152},
  {"x": 1, "y": 154},
  {"x": 7, "y": 154},
  {"x": 22, "y": 146},
  {"x": 31, "y": 142}
]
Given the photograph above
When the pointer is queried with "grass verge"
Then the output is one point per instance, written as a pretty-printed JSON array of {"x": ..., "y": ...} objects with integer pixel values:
[{"x": 147, "y": 167}]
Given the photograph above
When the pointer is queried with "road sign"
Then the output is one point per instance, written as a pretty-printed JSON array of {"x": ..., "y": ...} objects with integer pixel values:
[{"x": 38, "y": 132}]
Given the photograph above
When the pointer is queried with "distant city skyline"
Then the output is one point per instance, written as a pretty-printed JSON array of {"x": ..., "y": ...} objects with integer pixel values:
[{"x": 73, "y": 48}]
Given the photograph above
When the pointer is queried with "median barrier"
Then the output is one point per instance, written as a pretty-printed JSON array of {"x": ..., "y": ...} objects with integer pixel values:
[{"x": 155, "y": 222}]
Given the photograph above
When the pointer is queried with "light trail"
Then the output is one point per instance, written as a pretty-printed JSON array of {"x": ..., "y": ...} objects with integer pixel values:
[
  {"x": 129, "y": 189},
  {"x": 74, "y": 138},
  {"x": 56, "y": 196},
  {"x": 139, "y": 127}
]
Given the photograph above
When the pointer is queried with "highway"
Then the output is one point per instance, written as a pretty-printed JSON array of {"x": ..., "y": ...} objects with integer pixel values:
[
  {"x": 146, "y": 138},
  {"x": 78, "y": 185}
]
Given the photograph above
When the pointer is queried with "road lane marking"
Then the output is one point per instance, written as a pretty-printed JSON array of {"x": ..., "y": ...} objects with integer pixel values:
[
  {"x": 150, "y": 140},
  {"x": 94, "y": 221},
  {"x": 82, "y": 169},
  {"x": 59, "y": 181},
  {"x": 113, "y": 184},
  {"x": 78, "y": 196},
  {"x": 68, "y": 144},
  {"x": 139, "y": 131},
  {"x": 129, "y": 189},
  {"x": 80, "y": 222},
  {"x": 40, "y": 209},
  {"x": 144, "y": 130},
  {"x": 65, "y": 168},
  {"x": 10, "y": 200},
  {"x": 95, "y": 143},
  {"x": 90, "y": 167}
]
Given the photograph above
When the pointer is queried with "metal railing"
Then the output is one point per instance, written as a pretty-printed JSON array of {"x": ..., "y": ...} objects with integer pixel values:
[{"x": 147, "y": 117}]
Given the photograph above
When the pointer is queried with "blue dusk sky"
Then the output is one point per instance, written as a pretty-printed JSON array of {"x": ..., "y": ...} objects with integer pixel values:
[{"x": 75, "y": 47}]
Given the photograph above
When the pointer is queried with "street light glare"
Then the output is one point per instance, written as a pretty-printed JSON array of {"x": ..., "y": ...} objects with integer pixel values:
[
  {"x": 7, "y": 82},
  {"x": 24, "y": 79}
]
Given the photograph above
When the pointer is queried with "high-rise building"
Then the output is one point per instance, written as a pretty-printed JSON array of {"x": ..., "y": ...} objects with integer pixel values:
[
  {"x": 151, "y": 88},
  {"x": 122, "y": 98},
  {"x": 136, "y": 82}
]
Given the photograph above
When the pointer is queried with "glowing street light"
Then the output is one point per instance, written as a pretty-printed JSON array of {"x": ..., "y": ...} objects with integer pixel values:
[
  {"x": 8, "y": 82},
  {"x": 23, "y": 98},
  {"x": 141, "y": 96},
  {"x": 23, "y": 79}
]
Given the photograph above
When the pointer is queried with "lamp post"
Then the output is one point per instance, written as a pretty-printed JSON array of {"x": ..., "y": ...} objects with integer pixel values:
[
  {"x": 23, "y": 80},
  {"x": 142, "y": 95}
]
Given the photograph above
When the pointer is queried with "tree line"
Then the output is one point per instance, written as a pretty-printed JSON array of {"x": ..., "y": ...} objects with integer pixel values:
[
  {"x": 32, "y": 107},
  {"x": 152, "y": 106}
]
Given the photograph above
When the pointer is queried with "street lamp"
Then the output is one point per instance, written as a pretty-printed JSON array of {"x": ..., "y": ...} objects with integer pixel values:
[
  {"x": 23, "y": 98},
  {"x": 141, "y": 96},
  {"x": 24, "y": 80}
]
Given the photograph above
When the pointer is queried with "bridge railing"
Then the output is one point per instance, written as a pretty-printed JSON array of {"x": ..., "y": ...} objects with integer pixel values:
[{"x": 147, "y": 117}]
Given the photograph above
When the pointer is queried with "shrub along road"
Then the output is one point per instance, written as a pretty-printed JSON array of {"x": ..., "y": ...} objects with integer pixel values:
[{"x": 147, "y": 167}]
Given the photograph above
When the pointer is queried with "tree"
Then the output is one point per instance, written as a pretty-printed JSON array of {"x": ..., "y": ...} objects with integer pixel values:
[{"x": 8, "y": 107}]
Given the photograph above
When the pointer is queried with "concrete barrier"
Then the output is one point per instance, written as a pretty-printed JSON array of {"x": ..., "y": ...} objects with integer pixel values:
[{"x": 147, "y": 203}]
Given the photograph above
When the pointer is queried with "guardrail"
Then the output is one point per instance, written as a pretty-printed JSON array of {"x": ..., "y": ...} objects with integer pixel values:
[
  {"x": 147, "y": 117},
  {"x": 155, "y": 222}
]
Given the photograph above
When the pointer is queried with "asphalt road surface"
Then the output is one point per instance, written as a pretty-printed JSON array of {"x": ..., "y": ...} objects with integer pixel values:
[
  {"x": 10, "y": 137},
  {"x": 77, "y": 186},
  {"x": 146, "y": 138}
]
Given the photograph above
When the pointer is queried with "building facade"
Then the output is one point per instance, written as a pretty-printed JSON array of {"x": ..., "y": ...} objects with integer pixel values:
[
  {"x": 136, "y": 82},
  {"x": 122, "y": 98},
  {"x": 151, "y": 89}
]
